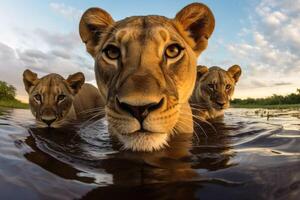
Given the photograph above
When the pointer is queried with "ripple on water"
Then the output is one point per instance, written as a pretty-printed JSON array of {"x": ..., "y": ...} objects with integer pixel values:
[{"x": 248, "y": 156}]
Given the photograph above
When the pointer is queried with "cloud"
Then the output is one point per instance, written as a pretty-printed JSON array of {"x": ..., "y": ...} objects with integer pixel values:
[
  {"x": 273, "y": 51},
  {"x": 11, "y": 68},
  {"x": 67, "y": 11},
  {"x": 61, "y": 53},
  {"x": 282, "y": 83},
  {"x": 257, "y": 83},
  {"x": 65, "y": 41}
]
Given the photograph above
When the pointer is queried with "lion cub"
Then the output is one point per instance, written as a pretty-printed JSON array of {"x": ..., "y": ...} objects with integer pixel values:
[
  {"x": 54, "y": 101},
  {"x": 213, "y": 90}
]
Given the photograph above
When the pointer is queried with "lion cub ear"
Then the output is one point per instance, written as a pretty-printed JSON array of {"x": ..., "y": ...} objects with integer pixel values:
[
  {"x": 198, "y": 20},
  {"x": 75, "y": 81},
  {"x": 201, "y": 70},
  {"x": 93, "y": 23},
  {"x": 29, "y": 79},
  {"x": 235, "y": 72}
]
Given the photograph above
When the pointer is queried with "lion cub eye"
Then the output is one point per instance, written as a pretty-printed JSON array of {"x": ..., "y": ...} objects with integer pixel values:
[
  {"x": 173, "y": 50},
  {"x": 61, "y": 97},
  {"x": 38, "y": 98},
  {"x": 228, "y": 87},
  {"x": 112, "y": 52}
]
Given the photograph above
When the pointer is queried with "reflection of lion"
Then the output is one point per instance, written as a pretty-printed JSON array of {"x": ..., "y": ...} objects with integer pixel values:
[
  {"x": 146, "y": 69},
  {"x": 54, "y": 100},
  {"x": 213, "y": 91}
]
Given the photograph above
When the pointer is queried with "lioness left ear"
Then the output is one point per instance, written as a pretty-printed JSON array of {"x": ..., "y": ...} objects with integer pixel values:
[
  {"x": 29, "y": 79},
  {"x": 198, "y": 20},
  {"x": 235, "y": 71},
  {"x": 76, "y": 81},
  {"x": 201, "y": 70},
  {"x": 93, "y": 23}
]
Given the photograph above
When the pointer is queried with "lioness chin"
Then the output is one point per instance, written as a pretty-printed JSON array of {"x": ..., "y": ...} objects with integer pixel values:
[
  {"x": 145, "y": 68},
  {"x": 55, "y": 101},
  {"x": 213, "y": 91}
]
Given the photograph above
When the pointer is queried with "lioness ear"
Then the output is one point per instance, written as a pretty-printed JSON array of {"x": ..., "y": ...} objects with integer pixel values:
[
  {"x": 76, "y": 81},
  {"x": 201, "y": 70},
  {"x": 93, "y": 23},
  {"x": 198, "y": 20},
  {"x": 29, "y": 79},
  {"x": 235, "y": 71}
]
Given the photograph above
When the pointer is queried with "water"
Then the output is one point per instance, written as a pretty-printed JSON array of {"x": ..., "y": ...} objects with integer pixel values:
[{"x": 249, "y": 157}]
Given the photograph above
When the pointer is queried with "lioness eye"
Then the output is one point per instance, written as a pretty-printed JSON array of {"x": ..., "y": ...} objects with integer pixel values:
[
  {"x": 112, "y": 52},
  {"x": 61, "y": 97},
  {"x": 38, "y": 97},
  {"x": 228, "y": 87},
  {"x": 173, "y": 51},
  {"x": 211, "y": 86}
]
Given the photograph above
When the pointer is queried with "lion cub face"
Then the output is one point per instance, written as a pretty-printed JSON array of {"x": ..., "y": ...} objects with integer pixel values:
[
  {"x": 51, "y": 97},
  {"x": 145, "y": 67},
  {"x": 215, "y": 86}
]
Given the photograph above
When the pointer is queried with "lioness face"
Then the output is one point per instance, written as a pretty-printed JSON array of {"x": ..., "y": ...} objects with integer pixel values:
[
  {"x": 51, "y": 97},
  {"x": 216, "y": 86},
  {"x": 146, "y": 69}
]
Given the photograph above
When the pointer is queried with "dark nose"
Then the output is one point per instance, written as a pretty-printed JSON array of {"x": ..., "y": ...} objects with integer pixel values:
[
  {"x": 140, "y": 112},
  {"x": 221, "y": 104},
  {"x": 48, "y": 121}
]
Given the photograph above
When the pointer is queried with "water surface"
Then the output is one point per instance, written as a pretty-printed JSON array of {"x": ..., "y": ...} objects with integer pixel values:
[{"x": 254, "y": 154}]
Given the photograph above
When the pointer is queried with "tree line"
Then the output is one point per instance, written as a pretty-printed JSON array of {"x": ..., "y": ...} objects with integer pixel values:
[
  {"x": 293, "y": 98},
  {"x": 7, "y": 92}
]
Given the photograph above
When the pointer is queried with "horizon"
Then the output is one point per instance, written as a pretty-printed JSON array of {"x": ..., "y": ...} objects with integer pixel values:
[{"x": 261, "y": 36}]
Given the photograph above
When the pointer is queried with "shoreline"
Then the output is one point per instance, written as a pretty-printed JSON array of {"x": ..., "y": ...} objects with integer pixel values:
[
  {"x": 13, "y": 103},
  {"x": 282, "y": 106}
]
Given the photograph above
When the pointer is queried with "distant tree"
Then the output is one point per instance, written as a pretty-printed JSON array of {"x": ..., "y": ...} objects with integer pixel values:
[
  {"x": 293, "y": 98},
  {"x": 7, "y": 91}
]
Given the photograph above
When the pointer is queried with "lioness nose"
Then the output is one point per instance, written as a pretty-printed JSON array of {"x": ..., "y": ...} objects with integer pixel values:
[
  {"x": 140, "y": 112},
  {"x": 221, "y": 104},
  {"x": 48, "y": 121}
]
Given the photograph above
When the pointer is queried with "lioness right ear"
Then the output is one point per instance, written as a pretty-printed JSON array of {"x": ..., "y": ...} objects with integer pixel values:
[
  {"x": 199, "y": 22},
  {"x": 235, "y": 71},
  {"x": 75, "y": 81},
  {"x": 29, "y": 79},
  {"x": 93, "y": 23},
  {"x": 201, "y": 70}
]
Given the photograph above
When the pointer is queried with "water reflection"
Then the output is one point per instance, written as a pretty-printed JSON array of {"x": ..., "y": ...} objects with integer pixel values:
[{"x": 245, "y": 154}]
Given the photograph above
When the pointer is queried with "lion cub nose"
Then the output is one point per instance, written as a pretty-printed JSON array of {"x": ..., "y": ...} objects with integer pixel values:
[{"x": 140, "y": 112}]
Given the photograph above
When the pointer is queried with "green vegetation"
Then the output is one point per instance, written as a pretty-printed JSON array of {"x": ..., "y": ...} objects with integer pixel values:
[
  {"x": 272, "y": 102},
  {"x": 7, "y": 97}
]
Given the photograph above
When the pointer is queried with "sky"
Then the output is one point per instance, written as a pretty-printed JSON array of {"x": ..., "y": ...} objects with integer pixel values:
[{"x": 262, "y": 36}]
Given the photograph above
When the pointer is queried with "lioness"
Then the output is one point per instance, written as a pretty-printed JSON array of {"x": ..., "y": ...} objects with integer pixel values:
[
  {"x": 213, "y": 91},
  {"x": 55, "y": 101},
  {"x": 145, "y": 68}
]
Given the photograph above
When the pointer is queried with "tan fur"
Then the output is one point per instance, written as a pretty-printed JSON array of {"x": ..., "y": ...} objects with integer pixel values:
[
  {"x": 147, "y": 92},
  {"x": 208, "y": 100},
  {"x": 79, "y": 99}
]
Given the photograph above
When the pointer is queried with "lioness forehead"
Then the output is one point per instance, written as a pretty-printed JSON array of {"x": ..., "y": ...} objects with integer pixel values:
[
  {"x": 52, "y": 83},
  {"x": 218, "y": 75},
  {"x": 142, "y": 27}
]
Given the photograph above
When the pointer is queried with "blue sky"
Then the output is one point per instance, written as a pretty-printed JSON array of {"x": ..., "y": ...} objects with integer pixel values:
[{"x": 262, "y": 36}]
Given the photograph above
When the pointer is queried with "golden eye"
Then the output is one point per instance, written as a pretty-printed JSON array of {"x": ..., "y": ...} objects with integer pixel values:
[
  {"x": 112, "y": 52},
  {"x": 228, "y": 87},
  {"x": 38, "y": 98},
  {"x": 173, "y": 50},
  {"x": 61, "y": 97}
]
